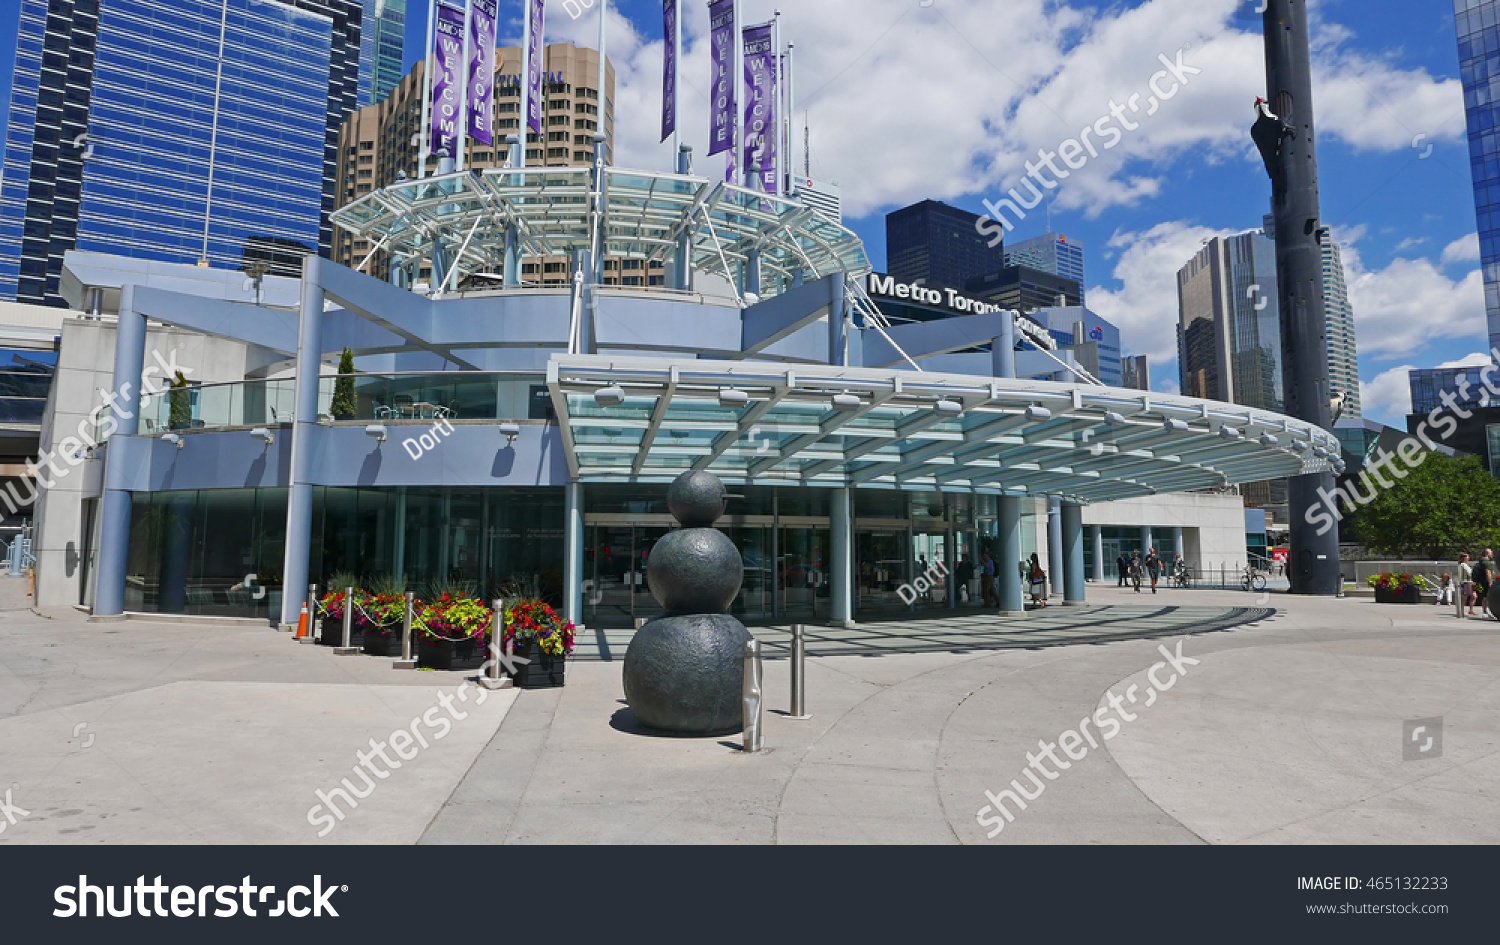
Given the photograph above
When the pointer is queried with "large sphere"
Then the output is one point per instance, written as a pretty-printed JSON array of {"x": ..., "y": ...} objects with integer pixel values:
[
  {"x": 696, "y": 499},
  {"x": 695, "y": 571},
  {"x": 686, "y": 674}
]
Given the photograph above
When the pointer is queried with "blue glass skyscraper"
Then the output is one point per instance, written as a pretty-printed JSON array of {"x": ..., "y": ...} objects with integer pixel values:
[
  {"x": 382, "y": 49},
  {"x": 177, "y": 130},
  {"x": 1479, "y": 65}
]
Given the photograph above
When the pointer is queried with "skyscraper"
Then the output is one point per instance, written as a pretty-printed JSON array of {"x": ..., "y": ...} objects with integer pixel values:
[
  {"x": 174, "y": 130},
  {"x": 1343, "y": 350},
  {"x": 935, "y": 244},
  {"x": 1050, "y": 252},
  {"x": 1478, "y": 23},
  {"x": 1229, "y": 331},
  {"x": 382, "y": 49}
]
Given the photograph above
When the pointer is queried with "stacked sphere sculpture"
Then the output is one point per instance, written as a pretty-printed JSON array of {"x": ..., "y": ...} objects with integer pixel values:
[{"x": 684, "y": 670}]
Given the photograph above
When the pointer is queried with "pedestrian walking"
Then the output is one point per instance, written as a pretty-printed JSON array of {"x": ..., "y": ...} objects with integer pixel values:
[
  {"x": 1466, "y": 583},
  {"x": 987, "y": 579},
  {"x": 1038, "y": 582},
  {"x": 1122, "y": 565},
  {"x": 1484, "y": 571},
  {"x": 1153, "y": 567}
]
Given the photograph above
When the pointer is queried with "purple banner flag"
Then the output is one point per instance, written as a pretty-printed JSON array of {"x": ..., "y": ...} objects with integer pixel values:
[
  {"x": 482, "y": 71},
  {"x": 722, "y": 122},
  {"x": 760, "y": 105},
  {"x": 448, "y": 36},
  {"x": 536, "y": 10},
  {"x": 669, "y": 71}
]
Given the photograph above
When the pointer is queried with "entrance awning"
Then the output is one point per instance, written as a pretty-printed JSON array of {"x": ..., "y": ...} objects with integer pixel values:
[{"x": 649, "y": 419}]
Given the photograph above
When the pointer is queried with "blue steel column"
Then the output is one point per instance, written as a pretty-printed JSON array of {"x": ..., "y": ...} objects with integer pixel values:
[
  {"x": 838, "y": 324},
  {"x": 682, "y": 276},
  {"x": 841, "y": 572},
  {"x": 512, "y": 232},
  {"x": 1003, "y": 348},
  {"x": 1074, "y": 593},
  {"x": 299, "y": 503},
  {"x": 1177, "y": 545},
  {"x": 114, "y": 527},
  {"x": 1145, "y": 540},
  {"x": 1055, "y": 563},
  {"x": 573, "y": 555},
  {"x": 1007, "y": 562}
]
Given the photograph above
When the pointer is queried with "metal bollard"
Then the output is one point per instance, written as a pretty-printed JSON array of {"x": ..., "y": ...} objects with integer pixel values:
[
  {"x": 312, "y": 614},
  {"x": 347, "y": 649},
  {"x": 640, "y": 622},
  {"x": 406, "y": 661},
  {"x": 497, "y": 678},
  {"x": 1458, "y": 600},
  {"x": 799, "y": 674},
  {"x": 754, "y": 738}
]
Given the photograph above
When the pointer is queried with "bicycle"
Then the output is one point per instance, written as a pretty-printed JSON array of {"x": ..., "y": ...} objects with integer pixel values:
[
  {"x": 1252, "y": 580},
  {"x": 1183, "y": 577}
]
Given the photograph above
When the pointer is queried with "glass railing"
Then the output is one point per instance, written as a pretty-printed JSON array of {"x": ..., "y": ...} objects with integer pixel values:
[{"x": 376, "y": 398}]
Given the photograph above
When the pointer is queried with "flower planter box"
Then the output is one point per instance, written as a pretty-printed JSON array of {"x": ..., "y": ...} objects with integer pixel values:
[
  {"x": 333, "y": 633},
  {"x": 1406, "y": 596},
  {"x": 388, "y": 644},
  {"x": 542, "y": 671},
  {"x": 449, "y": 654}
]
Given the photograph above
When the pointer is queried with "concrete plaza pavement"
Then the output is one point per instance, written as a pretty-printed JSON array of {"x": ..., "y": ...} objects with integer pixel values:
[{"x": 1289, "y": 729}]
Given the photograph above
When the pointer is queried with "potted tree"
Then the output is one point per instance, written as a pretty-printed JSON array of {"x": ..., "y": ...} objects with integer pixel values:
[
  {"x": 1395, "y": 589},
  {"x": 179, "y": 404},
  {"x": 536, "y": 633},
  {"x": 453, "y": 632},
  {"x": 345, "y": 404}
]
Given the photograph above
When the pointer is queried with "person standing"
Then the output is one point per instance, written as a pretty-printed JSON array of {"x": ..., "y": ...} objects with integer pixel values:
[
  {"x": 1122, "y": 565},
  {"x": 1153, "y": 567},
  {"x": 1038, "y": 582},
  {"x": 987, "y": 579},
  {"x": 1484, "y": 570},
  {"x": 1466, "y": 583},
  {"x": 963, "y": 574}
]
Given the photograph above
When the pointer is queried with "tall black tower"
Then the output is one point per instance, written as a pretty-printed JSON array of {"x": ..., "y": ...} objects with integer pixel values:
[{"x": 1284, "y": 134}]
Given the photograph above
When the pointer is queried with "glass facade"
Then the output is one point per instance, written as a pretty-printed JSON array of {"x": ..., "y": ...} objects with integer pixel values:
[
  {"x": 1229, "y": 340},
  {"x": 938, "y": 244},
  {"x": 177, "y": 131},
  {"x": 1478, "y": 23},
  {"x": 1051, "y": 252},
  {"x": 1428, "y": 385},
  {"x": 382, "y": 47}
]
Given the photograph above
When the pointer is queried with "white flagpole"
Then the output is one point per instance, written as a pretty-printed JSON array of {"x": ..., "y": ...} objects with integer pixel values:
[
  {"x": 462, "y": 145},
  {"x": 786, "y": 119},
  {"x": 425, "y": 150},
  {"x": 603, "y": 101},
  {"x": 676, "y": 92},
  {"x": 525, "y": 81},
  {"x": 776, "y": 73}
]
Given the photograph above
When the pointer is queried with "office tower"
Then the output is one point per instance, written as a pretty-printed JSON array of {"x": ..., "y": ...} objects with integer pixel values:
[
  {"x": 1343, "y": 351},
  {"x": 382, "y": 47},
  {"x": 1050, "y": 252},
  {"x": 935, "y": 244},
  {"x": 1094, "y": 340},
  {"x": 822, "y": 196},
  {"x": 1478, "y": 23},
  {"x": 1136, "y": 373},
  {"x": 1229, "y": 332},
  {"x": 172, "y": 130},
  {"x": 381, "y": 140},
  {"x": 1023, "y": 288}
]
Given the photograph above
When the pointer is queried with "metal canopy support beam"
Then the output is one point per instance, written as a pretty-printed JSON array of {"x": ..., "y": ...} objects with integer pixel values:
[
  {"x": 829, "y": 426},
  {"x": 747, "y": 422},
  {"x": 1074, "y": 590},
  {"x": 114, "y": 534},
  {"x": 299, "y": 506},
  {"x": 841, "y": 538},
  {"x": 663, "y": 403},
  {"x": 1007, "y": 575}
]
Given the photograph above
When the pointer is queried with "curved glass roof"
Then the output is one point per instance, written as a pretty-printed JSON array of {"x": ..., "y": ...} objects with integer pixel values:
[
  {"x": 645, "y": 213},
  {"x": 874, "y": 428}
]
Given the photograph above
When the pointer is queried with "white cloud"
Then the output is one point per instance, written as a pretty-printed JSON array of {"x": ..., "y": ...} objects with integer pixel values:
[
  {"x": 1387, "y": 398},
  {"x": 1144, "y": 307},
  {"x": 1477, "y": 359},
  {"x": 1462, "y": 250},
  {"x": 1411, "y": 303},
  {"x": 948, "y": 100}
]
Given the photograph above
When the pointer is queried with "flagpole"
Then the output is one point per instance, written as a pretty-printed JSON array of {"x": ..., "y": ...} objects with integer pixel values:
[
  {"x": 676, "y": 93},
  {"x": 776, "y": 73},
  {"x": 525, "y": 81},
  {"x": 786, "y": 118},
  {"x": 603, "y": 100},
  {"x": 738, "y": 78},
  {"x": 462, "y": 145},
  {"x": 425, "y": 150}
]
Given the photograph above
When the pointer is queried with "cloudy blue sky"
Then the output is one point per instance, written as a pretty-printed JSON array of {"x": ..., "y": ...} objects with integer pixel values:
[{"x": 909, "y": 99}]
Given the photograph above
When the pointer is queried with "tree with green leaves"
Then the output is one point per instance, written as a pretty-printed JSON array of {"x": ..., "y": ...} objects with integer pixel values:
[
  {"x": 345, "y": 405},
  {"x": 1445, "y": 506},
  {"x": 180, "y": 404}
]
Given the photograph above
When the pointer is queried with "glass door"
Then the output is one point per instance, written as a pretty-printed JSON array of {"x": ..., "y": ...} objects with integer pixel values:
[
  {"x": 880, "y": 568},
  {"x": 802, "y": 570}
]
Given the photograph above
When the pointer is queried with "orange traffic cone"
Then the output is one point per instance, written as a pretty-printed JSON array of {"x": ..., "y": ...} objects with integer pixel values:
[{"x": 302, "y": 623}]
